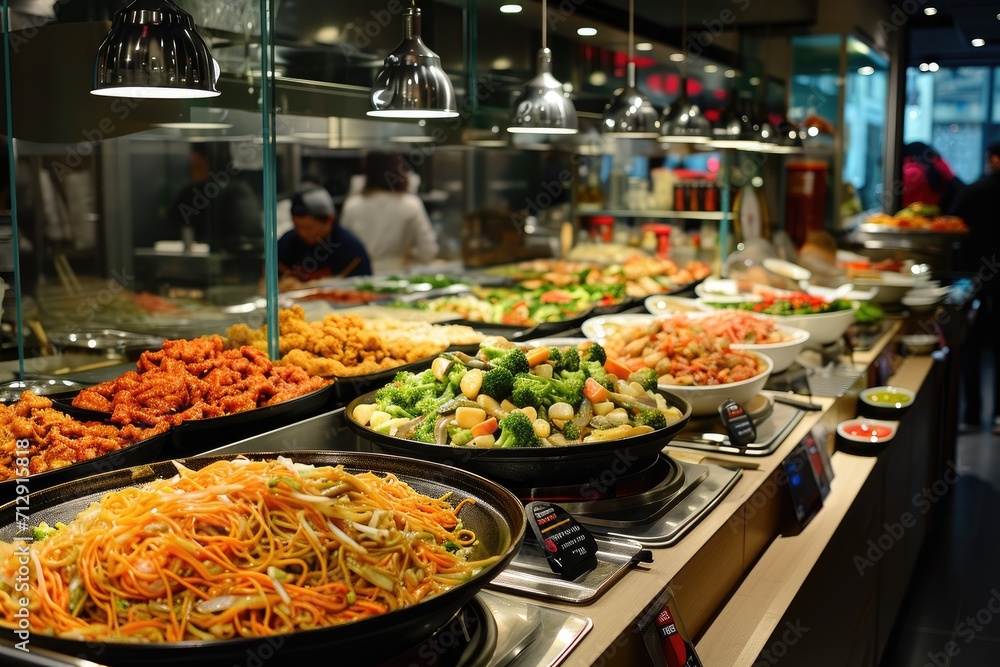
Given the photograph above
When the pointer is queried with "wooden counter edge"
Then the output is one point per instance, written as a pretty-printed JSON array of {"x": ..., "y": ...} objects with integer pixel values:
[{"x": 740, "y": 631}]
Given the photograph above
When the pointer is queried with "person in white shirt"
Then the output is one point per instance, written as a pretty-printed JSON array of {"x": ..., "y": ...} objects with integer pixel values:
[{"x": 391, "y": 222}]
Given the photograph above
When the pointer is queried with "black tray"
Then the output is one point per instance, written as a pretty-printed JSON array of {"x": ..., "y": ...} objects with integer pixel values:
[
  {"x": 537, "y": 466},
  {"x": 144, "y": 451},
  {"x": 496, "y": 516},
  {"x": 192, "y": 437}
]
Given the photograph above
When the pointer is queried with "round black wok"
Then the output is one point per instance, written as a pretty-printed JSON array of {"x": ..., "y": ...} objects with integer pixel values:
[
  {"x": 496, "y": 516},
  {"x": 537, "y": 466}
]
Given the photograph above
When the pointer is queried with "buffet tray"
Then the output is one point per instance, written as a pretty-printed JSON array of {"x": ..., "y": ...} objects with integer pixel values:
[{"x": 884, "y": 236}]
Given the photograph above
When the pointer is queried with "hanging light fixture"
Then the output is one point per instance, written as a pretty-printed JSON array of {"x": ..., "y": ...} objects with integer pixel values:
[
  {"x": 412, "y": 83},
  {"x": 542, "y": 108},
  {"x": 736, "y": 127},
  {"x": 630, "y": 114},
  {"x": 154, "y": 51},
  {"x": 683, "y": 122}
]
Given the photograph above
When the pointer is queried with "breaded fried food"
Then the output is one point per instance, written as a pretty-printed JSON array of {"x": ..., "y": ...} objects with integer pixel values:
[
  {"x": 196, "y": 379},
  {"x": 55, "y": 439},
  {"x": 350, "y": 345}
]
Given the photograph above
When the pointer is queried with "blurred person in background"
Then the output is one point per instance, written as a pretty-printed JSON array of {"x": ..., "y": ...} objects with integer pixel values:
[
  {"x": 979, "y": 206},
  {"x": 391, "y": 222},
  {"x": 318, "y": 247},
  {"x": 218, "y": 207},
  {"x": 927, "y": 178}
]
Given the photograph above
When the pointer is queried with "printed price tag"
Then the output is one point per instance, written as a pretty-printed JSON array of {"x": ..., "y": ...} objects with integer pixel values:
[
  {"x": 569, "y": 547},
  {"x": 738, "y": 424}
]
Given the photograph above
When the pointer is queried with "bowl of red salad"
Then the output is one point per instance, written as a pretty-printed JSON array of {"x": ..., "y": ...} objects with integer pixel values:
[{"x": 825, "y": 320}]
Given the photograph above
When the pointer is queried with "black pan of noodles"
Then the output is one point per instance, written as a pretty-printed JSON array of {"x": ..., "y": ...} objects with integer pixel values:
[{"x": 494, "y": 514}]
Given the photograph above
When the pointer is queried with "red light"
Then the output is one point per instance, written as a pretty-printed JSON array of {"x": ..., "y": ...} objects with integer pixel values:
[
  {"x": 712, "y": 114},
  {"x": 719, "y": 94}
]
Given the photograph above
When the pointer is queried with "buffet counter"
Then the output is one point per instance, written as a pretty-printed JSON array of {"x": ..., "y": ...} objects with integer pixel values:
[{"x": 735, "y": 578}]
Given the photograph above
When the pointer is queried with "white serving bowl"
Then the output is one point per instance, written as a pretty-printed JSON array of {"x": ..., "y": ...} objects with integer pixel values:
[
  {"x": 781, "y": 354},
  {"x": 828, "y": 293},
  {"x": 724, "y": 290},
  {"x": 599, "y": 328},
  {"x": 891, "y": 286},
  {"x": 664, "y": 306},
  {"x": 706, "y": 400},
  {"x": 823, "y": 328},
  {"x": 921, "y": 305}
]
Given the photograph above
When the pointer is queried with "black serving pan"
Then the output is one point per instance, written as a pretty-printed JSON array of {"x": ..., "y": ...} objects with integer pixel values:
[
  {"x": 537, "y": 466},
  {"x": 496, "y": 516},
  {"x": 137, "y": 453},
  {"x": 192, "y": 437}
]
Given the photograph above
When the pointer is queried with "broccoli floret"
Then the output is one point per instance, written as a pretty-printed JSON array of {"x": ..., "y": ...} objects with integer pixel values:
[
  {"x": 514, "y": 360},
  {"x": 594, "y": 352},
  {"x": 651, "y": 417},
  {"x": 555, "y": 357},
  {"x": 539, "y": 391},
  {"x": 646, "y": 377},
  {"x": 425, "y": 430},
  {"x": 525, "y": 395},
  {"x": 517, "y": 431},
  {"x": 571, "y": 360},
  {"x": 391, "y": 394},
  {"x": 571, "y": 431},
  {"x": 429, "y": 404},
  {"x": 454, "y": 377},
  {"x": 596, "y": 371},
  {"x": 498, "y": 383}
]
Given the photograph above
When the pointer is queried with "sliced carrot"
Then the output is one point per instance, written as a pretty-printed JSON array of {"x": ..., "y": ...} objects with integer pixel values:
[
  {"x": 594, "y": 391},
  {"x": 616, "y": 368},
  {"x": 485, "y": 428},
  {"x": 537, "y": 356}
]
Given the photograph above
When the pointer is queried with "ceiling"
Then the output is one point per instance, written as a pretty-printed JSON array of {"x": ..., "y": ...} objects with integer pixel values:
[{"x": 946, "y": 37}]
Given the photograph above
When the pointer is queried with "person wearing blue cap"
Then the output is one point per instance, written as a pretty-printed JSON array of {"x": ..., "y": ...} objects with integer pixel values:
[{"x": 318, "y": 247}]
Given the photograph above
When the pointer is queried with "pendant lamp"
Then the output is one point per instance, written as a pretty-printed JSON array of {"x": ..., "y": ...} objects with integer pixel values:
[
  {"x": 542, "y": 108},
  {"x": 735, "y": 129},
  {"x": 630, "y": 114},
  {"x": 412, "y": 83},
  {"x": 154, "y": 51},
  {"x": 683, "y": 122}
]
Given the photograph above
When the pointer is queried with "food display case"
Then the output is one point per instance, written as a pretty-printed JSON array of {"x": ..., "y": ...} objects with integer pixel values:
[{"x": 152, "y": 362}]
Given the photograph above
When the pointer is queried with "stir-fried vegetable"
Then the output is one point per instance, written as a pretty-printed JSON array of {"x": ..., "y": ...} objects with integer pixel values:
[{"x": 519, "y": 398}]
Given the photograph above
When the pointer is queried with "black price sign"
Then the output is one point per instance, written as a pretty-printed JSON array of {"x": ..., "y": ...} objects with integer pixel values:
[
  {"x": 737, "y": 422},
  {"x": 569, "y": 547}
]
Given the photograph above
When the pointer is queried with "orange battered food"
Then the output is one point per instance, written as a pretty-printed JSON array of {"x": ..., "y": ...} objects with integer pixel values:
[
  {"x": 56, "y": 439},
  {"x": 349, "y": 345},
  {"x": 196, "y": 379}
]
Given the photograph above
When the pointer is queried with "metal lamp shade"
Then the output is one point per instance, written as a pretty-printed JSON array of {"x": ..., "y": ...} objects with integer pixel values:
[
  {"x": 788, "y": 137},
  {"x": 153, "y": 51},
  {"x": 630, "y": 114},
  {"x": 412, "y": 83},
  {"x": 684, "y": 123},
  {"x": 542, "y": 108},
  {"x": 734, "y": 129}
]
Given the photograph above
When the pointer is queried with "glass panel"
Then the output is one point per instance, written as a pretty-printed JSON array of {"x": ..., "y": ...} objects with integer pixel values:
[
  {"x": 866, "y": 87},
  {"x": 142, "y": 215}
]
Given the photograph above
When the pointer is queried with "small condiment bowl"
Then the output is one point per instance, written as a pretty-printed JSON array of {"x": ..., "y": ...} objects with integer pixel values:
[
  {"x": 884, "y": 402},
  {"x": 865, "y": 436}
]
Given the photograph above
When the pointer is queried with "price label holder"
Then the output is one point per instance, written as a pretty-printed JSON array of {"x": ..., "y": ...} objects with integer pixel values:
[
  {"x": 569, "y": 548},
  {"x": 804, "y": 494},
  {"x": 819, "y": 457},
  {"x": 738, "y": 424},
  {"x": 664, "y": 635}
]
